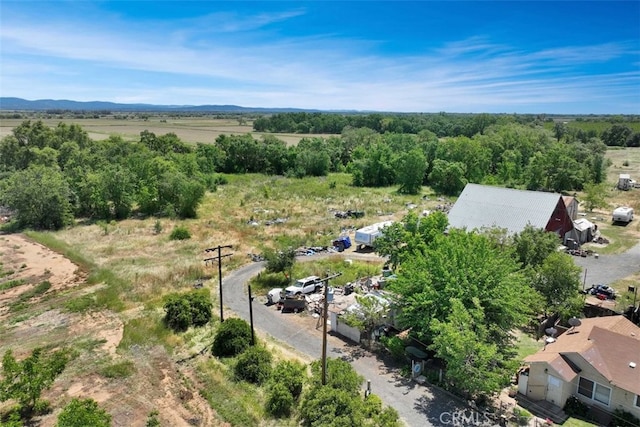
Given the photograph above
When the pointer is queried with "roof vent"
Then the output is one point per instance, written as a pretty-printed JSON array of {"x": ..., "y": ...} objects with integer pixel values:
[{"x": 632, "y": 364}]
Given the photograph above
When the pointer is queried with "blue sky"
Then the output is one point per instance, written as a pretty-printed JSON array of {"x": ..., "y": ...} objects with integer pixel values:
[{"x": 420, "y": 56}]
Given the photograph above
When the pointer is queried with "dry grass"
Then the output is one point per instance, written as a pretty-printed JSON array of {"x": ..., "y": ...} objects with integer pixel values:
[{"x": 188, "y": 129}]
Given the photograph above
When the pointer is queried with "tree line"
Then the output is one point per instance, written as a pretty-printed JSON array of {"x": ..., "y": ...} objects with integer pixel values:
[
  {"x": 614, "y": 130},
  {"x": 50, "y": 176}
]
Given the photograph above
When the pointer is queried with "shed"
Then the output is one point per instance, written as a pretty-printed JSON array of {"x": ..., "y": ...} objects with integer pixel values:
[{"x": 584, "y": 230}]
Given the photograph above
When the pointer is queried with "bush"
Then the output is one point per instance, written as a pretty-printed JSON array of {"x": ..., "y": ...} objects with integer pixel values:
[
  {"x": 279, "y": 401},
  {"x": 574, "y": 407},
  {"x": 180, "y": 233},
  {"x": 522, "y": 416},
  {"x": 177, "y": 313},
  {"x": 82, "y": 413},
  {"x": 622, "y": 418},
  {"x": 254, "y": 365},
  {"x": 193, "y": 308},
  {"x": 280, "y": 261},
  {"x": 232, "y": 337},
  {"x": 291, "y": 375},
  {"x": 395, "y": 345}
]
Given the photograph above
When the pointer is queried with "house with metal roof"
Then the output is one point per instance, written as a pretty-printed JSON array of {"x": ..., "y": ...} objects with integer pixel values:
[{"x": 485, "y": 206}]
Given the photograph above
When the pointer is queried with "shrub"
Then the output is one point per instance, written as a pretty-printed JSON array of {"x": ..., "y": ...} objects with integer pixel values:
[
  {"x": 254, "y": 365},
  {"x": 177, "y": 313},
  {"x": 232, "y": 337},
  {"x": 622, "y": 418},
  {"x": 522, "y": 416},
  {"x": 291, "y": 375},
  {"x": 574, "y": 407},
  {"x": 193, "y": 308},
  {"x": 153, "y": 419},
  {"x": 180, "y": 233},
  {"x": 395, "y": 345},
  {"x": 279, "y": 401},
  {"x": 82, "y": 413},
  {"x": 157, "y": 227}
]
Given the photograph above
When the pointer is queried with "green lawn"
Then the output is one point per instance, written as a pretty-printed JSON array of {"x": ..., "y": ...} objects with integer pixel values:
[{"x": 575, "y": 422}]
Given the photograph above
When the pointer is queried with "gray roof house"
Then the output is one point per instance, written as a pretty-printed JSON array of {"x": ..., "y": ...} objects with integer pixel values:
[{"x": 484, "y": 206}]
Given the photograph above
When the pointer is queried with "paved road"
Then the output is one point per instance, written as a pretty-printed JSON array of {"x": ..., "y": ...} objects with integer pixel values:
[
  {"x": 417, "y": 405},
  {"x": 607, "y": 269}
]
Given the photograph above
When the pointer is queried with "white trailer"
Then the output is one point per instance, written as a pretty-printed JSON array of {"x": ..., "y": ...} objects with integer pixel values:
[
  {"x": 625, "y": 182},
  {"x": 623, "y": 214},
  {"x": 366, "y": 236}
]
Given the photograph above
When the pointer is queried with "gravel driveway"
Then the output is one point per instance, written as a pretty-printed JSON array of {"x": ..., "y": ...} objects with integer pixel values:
[
  {"x": 417, "y": 405},
  {"x": 607, "y": 269}
]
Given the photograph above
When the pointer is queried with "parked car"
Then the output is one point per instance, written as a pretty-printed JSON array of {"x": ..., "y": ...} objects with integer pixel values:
[
  {"x": 603, "y": 291},
  {"x": 307, "y": 285}
]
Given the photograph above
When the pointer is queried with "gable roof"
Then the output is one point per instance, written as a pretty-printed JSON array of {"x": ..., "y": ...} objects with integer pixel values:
[
  {"x": 481, "y": 206},
  {"x": 609, "y": 344}
]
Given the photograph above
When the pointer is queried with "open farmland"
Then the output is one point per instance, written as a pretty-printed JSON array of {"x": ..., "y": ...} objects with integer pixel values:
[{"x": 188, "y": 129}]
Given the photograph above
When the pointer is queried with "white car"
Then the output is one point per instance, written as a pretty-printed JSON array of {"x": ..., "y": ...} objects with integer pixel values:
[{"x": 308, "y": 285}]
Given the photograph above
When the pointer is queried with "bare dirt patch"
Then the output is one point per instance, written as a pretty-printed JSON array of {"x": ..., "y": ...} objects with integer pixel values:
[{"x": 157, "y": 382}]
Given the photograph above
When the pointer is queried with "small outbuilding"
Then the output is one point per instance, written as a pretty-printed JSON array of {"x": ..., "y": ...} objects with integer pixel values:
[{"x": 584, "y": 230}]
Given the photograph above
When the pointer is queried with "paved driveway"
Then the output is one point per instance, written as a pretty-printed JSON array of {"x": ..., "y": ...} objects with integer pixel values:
[
  {"x": 607, "y": 269},
  {"x": 417, "y": 405}
]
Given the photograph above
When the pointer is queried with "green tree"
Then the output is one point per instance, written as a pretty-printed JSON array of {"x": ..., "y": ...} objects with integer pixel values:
[
  {"x": 281, "y": 261},
  {"x": 82, "y": 413},
  {"x": 474, "y": 363},
  {"x": 411, "y": 168},
  {"x": 25, "y": 380},
  {"x": 533, "y": 245},
  {"x": 595, "y": 196},
  {"x": 447, "y": 177},
  {"x": 193, "y": 308},
  {"x": 558, "y": 281},
  {"x": 41, "y": 198}
]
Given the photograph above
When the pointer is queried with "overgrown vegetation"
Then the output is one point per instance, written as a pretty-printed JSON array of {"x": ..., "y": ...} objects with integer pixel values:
[{"x": 24, "y": 381}]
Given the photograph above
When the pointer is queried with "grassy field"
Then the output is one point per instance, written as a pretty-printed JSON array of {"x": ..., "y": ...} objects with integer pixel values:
[
  {"x": 598, "y": 126},
  {"x": 188, "y": 129}
]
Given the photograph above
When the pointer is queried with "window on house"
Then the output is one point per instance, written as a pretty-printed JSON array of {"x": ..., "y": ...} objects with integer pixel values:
[
  {"x": 585, "y": 388},
  {"x": 638, "y": 400},
  {"x": 602, "y": 394}
]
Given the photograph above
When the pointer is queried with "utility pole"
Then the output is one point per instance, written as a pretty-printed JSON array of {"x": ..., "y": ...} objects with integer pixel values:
[
  {"x": 219, "y": 257},
  {"x": 253, "y": 340},
  {"x": 325, "y": 310}
]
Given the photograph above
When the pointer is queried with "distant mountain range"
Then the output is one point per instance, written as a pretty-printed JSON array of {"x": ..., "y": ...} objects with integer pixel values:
[{"x": 19, "y": 104}]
